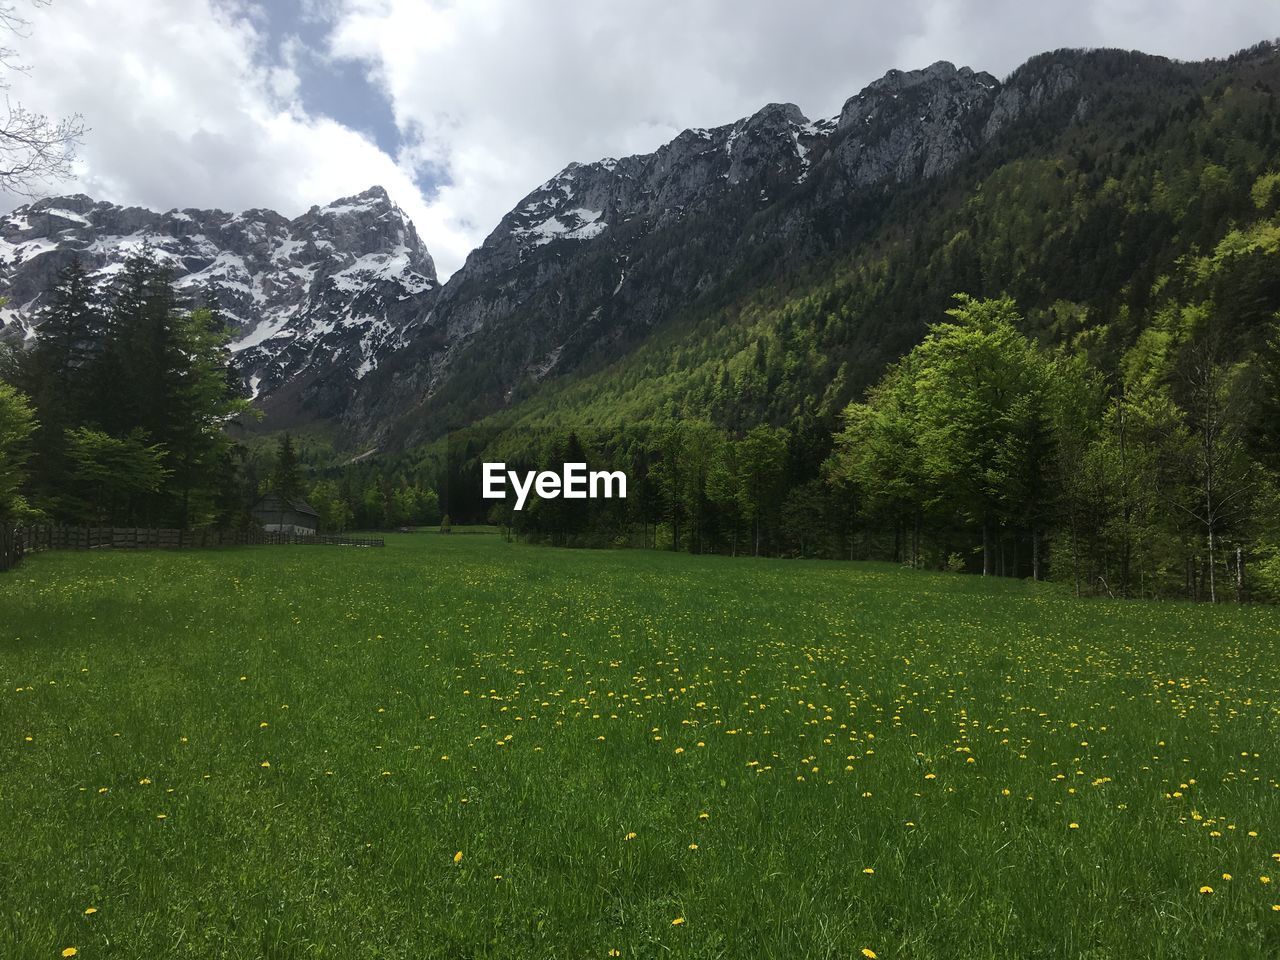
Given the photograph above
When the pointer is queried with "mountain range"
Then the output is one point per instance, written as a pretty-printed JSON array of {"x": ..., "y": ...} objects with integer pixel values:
[
  {"x": 668, "y": 275},
  {"x": 314, "y": 303}
]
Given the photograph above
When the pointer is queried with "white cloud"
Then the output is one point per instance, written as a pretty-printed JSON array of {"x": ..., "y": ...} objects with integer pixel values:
[
  {"x": 184, "y": 111},
  {"x": 494, "y": 96},
  {"x": 501, "y": 94}
]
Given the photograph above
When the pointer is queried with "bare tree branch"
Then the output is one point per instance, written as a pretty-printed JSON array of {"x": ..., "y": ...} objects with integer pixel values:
[{"x": 34, "y": 149}]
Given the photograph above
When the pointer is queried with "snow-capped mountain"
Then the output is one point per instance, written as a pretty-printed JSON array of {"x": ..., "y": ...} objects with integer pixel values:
[{"x": 316, "y": 302}]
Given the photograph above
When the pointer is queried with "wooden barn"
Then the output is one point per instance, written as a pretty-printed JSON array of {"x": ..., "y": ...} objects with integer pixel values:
[{"x": 277, "y": 514}]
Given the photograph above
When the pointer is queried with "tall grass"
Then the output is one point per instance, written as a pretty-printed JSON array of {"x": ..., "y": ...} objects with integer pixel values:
[{"x": 457, "y": 747}]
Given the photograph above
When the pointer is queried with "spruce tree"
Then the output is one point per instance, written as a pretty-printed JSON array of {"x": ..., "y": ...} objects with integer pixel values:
[
  {"x": 72, "y": 331},
  {"x": 59, "y": 378},
  {"x": 286, "y": 479}
]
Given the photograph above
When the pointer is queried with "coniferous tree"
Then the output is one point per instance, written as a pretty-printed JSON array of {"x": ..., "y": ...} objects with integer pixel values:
[
  {"x": 761, "y": 459},
  {"x": 286, "y": 478},
  {"x": 72, "y": 331},
  {"x": 141, "y": 366},
  {"x": 58, "y": 376}
]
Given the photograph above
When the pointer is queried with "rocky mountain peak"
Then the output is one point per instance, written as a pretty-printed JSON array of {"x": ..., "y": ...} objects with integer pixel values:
[
  {"x": 315, "y": 302},
  {"x": 776, "y": 114},
  {"x": 939, "y": 88}
]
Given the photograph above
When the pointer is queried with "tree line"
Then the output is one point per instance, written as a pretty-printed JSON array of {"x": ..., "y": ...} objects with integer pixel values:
[
  {"x": 120, "y": 410},
  {"x": 125, "y": 410},
  {"x": 980, "y": 450},
  {"x": 352, "y": 497}
]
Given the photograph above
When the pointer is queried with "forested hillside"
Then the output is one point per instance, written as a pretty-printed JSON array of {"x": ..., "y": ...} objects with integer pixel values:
[
  {"x": 1088, "y": 226},
  {"x": 1129, "y": 239}
]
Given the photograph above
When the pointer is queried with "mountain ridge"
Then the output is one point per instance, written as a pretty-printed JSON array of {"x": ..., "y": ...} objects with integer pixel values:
[
  {"x": 573, "y": 266},
  {"x": 591, "y": 262}
]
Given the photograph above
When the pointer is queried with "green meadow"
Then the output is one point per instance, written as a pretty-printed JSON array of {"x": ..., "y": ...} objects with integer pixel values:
[{"x": 458, "y": 747}]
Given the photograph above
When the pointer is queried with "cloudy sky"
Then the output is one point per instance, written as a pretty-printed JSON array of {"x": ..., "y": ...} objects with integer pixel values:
[{"x": 460, "y": 108}]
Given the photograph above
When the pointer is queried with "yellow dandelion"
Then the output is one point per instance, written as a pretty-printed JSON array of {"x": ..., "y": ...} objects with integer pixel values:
[
  {"x": 70, "y": 952},
  {"x": 1264, "y": 879},
  {"x": 265, "y": 764},
  {"x": 678, "y": 921},
  {"x": 693, "y": 846},
  {"x": 931, "y": 776},
  {"x": 457, "y": 857},
  {"x": 1073, "y": 825},
  {"x": 162, "y": 816},
  {"x": 1226, "y": 876},
  {"x": 1206, "y": 889},
  {"x": 90, "y": 911},
  {"x": 868, "y": 870},
  {"x": 615, "y": 952},
  {"x": 704, "y": 815},
  {"x": 869, "y": 953},
  {"x": 630, "y": 836}
]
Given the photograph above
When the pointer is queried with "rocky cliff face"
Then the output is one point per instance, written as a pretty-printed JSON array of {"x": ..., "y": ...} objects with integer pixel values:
[
  {"x": 604, "y": 251},
  {"x": 316, "y": 303}
]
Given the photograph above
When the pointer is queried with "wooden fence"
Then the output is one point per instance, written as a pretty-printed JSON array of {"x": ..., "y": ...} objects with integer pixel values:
[
  {"x": 11, "y": 548},
  {"x": 15, "y": 543}
]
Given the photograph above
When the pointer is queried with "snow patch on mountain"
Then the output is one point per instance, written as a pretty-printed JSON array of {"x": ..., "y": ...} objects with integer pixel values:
[
  {"x": 577, "y": 224},
  {"x": 315, "y": 301}
]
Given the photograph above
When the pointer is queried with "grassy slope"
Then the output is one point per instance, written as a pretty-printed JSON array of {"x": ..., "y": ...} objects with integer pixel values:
[{"x": 532, "y": 708}]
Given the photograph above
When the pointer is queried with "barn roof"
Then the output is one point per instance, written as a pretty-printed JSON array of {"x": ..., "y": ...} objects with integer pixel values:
[{"x": 296, "y": 504}]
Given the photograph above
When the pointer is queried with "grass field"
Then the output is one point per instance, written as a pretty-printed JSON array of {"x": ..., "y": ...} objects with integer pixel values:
[{"x": 457, "y": 747}]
